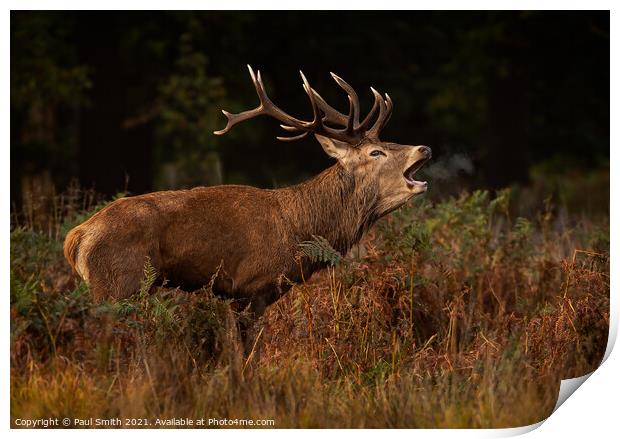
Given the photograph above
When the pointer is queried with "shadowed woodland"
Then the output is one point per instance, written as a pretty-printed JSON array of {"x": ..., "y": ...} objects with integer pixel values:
[{"x": 464, "y": 308}]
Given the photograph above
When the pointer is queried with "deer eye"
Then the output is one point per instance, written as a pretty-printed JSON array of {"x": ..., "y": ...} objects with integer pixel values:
[{"x": 377, "y": 153}]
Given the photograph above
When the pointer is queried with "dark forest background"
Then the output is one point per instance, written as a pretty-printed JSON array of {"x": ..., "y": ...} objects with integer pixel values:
[{"x": 128, "y": 101}]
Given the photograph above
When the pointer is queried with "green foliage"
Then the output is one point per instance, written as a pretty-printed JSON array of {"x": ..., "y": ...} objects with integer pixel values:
[
  {"x": 189, "y": 101},
  {"x": 32, "y": 251},
  {"x": 48, "y": 84},
  {"x": 320, "y": 250},
  {"x": 473, "y": 222},
  {"x": 44, "y": 70}
]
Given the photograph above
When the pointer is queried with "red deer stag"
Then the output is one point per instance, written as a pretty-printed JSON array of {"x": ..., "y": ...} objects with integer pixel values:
[{"x": 250, "y": 237}]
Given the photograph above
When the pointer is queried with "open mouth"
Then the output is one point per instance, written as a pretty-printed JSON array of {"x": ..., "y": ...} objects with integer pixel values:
[{"x": 411, "y": 170}]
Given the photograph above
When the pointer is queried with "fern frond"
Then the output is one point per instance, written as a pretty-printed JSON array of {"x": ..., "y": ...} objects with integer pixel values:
[
  {"x": 320, "y": 250},
  {"x": 149, "y": 276}
]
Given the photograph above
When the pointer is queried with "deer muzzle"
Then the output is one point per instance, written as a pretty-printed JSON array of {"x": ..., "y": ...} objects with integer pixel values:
[{"x": 421, "y": 156}]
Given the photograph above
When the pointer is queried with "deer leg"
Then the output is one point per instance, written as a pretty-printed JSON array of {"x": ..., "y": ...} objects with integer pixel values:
[
  {"x": 250, "y": 327},
  {"x": 251, "y": 330},
  {"x": 122, "y": 271}
]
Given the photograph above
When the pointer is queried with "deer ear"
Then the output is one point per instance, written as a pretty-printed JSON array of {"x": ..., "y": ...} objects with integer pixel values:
[{"x": 333, "y": 148}]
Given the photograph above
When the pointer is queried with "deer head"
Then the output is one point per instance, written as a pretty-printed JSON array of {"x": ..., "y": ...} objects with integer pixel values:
[{"x": 382, "y": 171}]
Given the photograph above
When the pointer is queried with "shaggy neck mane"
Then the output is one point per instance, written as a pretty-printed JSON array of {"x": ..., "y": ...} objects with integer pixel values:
[{"x": 332, "y": 205}]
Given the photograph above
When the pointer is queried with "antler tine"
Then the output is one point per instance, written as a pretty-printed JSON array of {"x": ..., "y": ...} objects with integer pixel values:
[
  {"x": 354, "y": 101},
  {"x": 390, "y": 107},
  {"x": 373, "y": 111},
  {"x": 316, "y": 121},
  {"x": 351, "y": 121},
  {"x": 385, "y": 111},
  {"x": 292, "y": 138},
  {"x": 253, "y": 77}
]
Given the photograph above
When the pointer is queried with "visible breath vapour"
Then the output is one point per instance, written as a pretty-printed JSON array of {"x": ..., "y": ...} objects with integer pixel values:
[{"x": 449, "y": 166}]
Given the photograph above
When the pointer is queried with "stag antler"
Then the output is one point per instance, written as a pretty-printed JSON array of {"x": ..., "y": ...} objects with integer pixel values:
[{"x": 325, "y": 117}]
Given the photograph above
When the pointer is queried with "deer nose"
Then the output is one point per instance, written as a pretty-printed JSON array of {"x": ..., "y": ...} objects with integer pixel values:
[{"x": 425, "y": 151}]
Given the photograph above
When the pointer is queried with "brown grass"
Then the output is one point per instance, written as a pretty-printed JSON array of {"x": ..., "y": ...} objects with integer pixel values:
[{"x": 447, "y": 315}]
